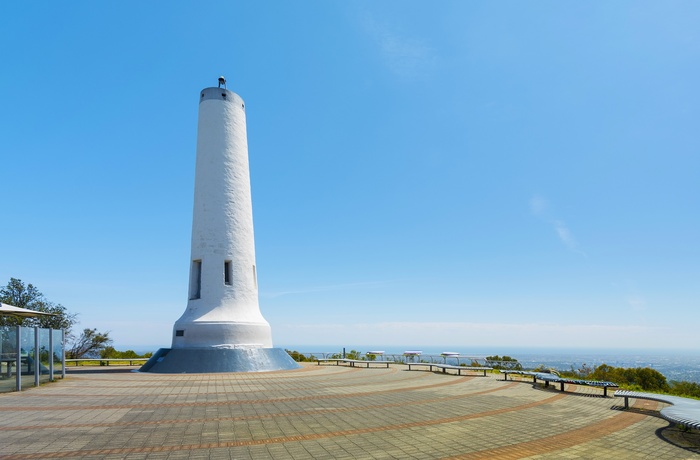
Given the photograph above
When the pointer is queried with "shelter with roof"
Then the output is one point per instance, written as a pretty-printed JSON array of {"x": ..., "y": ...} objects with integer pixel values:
[{"x": 29, "y": 355}]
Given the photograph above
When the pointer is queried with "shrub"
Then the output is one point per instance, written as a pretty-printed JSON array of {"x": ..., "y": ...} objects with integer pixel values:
[
  {"x": 642, "y": 378},
  {"x": 503, "y": 362},
  {"x": 296, "y": 356},
  {"x": 110, "y": 353},
  {"x": 686, "y": 389},
  {"x": 353, "y": 354}
]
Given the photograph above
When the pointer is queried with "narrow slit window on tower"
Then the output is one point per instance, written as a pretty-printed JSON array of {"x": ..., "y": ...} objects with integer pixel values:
[
  {"x": 196, "y": 280},
  {"x": 255, "y": 278},
  {"x": 227, "y": 272}
]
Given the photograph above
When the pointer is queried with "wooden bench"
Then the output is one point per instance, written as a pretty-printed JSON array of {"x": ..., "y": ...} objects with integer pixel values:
[
  {"x": 106, "y": 361},
  {"x": 683, "y": 411},
  {"x": 444, "y": 367},
  {"x": 428, "y": 365},
  {"x": 337, "y": 361},
  {"x": 353, "y": 362},
  {"x": 459, "y": 369},
  {"x": 526, "y": 373},
  {"x": 548, "y": 378}
]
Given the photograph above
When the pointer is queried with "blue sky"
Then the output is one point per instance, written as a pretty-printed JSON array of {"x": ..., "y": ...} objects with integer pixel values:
[{"x": 462, "y": 174}]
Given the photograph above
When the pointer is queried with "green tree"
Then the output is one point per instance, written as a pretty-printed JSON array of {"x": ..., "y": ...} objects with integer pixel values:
[
  {"x": 298, "y": 357},
  {"x": 643, "y": 378},
  {"x": 89, "y": 344},
  {"x": 651, "y": 379},
  {"x": 109, "y": 352},
  {"x": 28, "y": 296},
  {"x": 353, "y": 354},
  {"x": 683, "y": 388}
]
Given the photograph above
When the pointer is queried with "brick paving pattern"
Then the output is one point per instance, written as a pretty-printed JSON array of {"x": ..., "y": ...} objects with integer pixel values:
[{"x": 320, "y": 412}]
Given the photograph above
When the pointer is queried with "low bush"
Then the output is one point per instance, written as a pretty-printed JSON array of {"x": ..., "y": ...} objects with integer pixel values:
[{"x": 503, "y": 362}]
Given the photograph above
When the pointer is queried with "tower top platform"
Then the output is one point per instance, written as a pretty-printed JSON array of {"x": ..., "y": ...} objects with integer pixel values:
[{"x": 220, "y": 94}]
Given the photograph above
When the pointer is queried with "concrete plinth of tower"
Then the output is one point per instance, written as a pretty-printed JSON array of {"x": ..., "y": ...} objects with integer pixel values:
[{"x": 207, "y": 360}]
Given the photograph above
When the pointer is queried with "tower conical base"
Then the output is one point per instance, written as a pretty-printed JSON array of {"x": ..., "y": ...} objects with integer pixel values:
[{"x": 207, "y": 360}]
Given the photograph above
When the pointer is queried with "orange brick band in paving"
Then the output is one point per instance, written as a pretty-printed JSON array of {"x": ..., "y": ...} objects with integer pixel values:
[
  {"x": 321, "y": 411},
  {"x": 219, "y": 419},
  {"x": 402, "y": 426}
]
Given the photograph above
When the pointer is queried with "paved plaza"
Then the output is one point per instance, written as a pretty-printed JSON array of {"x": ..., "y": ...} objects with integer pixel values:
[{"x": 327, "y": 412}]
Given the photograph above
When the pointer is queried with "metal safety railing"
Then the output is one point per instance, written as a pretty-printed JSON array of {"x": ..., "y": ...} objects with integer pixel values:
[
  {"x": 403, "y": 357},
  {"x": 106, "y": 361}
]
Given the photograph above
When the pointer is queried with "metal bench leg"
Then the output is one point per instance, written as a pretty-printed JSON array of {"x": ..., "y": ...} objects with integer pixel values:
[
  {"x": 627, "y": 403},
  {"x": 561, "y": 386}
]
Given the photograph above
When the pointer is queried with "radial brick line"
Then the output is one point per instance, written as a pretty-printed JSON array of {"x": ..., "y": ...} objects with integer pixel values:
[
  {"x": 140, "y": 377},
  {"x": 156, "y": 382},
  {"x": 160, "y": 383},
  {"x": 268, "y": 388},
  {"x": 284, "y": 439},
  {"x": 559, "y": 441},
  {"x": 257, "y": 417},
  {"x": 232, "y": 402},
  {"x": 369, "y": 415}
]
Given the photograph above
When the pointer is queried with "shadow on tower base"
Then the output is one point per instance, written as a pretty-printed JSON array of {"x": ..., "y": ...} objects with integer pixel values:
[{"x": 207, "y": 360}]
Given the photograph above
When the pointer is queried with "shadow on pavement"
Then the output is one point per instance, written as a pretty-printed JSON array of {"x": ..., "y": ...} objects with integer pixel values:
[
  {"x": 101, "y": 370},
  {"x": 679, "y": 437}
]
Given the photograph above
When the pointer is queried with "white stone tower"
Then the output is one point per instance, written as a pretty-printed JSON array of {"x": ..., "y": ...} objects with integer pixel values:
[
  {"x": 222, "y": 329},
  {"x": 222, "y": 310}
]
